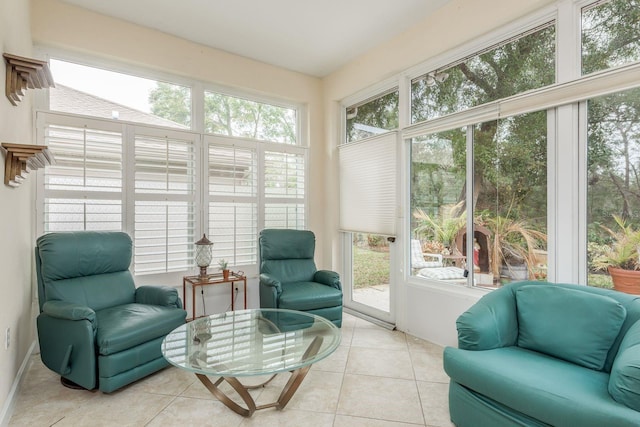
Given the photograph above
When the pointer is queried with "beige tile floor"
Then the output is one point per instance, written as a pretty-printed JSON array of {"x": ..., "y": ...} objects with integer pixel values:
[{"x": 376, "y": 378}]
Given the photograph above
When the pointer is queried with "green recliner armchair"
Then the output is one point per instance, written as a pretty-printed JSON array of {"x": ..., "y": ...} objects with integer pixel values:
[
  {"x": 289, "y": 277},
  {"x": 95, "y": 328}
]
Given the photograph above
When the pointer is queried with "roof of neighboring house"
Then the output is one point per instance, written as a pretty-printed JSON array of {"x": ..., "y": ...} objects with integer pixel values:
[{"x": 69, "y": 100}]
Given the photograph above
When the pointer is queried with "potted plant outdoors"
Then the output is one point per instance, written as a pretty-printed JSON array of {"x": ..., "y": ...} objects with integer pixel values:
[
  {"x": 622, "y": 257},
  {"x": 224, "y": 266},
  {"x": 440, "y": 229},
  {"x": 514, "y": 243}
]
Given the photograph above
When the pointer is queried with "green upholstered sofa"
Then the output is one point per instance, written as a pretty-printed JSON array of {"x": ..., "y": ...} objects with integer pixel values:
[
  {"x": 95, "y": 328},
  {"x": 289, "y": 278},
  {"x": 540, "y": 354}
]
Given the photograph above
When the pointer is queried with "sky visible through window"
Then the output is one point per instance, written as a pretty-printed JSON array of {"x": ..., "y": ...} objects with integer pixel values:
[{"x": 123, "y": 89}]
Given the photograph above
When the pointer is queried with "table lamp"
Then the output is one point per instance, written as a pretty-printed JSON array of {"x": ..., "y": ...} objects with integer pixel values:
[{"x": 204, "y": 254}]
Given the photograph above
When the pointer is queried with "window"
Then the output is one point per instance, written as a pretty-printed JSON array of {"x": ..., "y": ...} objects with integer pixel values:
[
  {"x": 502, "y": 195},
  {"x": 233, "y": 202},
  {"x": 108, "y": 94},
  {"x": 231, "y": 116},
  {"x": 373, "y": 117},
  {"x": 84, "y": 189},
  {"x": 164, "y": 183},
  {"x": 613, "y": 184},
  {"x": 512, "y": 67},
  {"x": 438, "y": 204},
  {"x": 610, "y": 34},
  {"x": 116, "y": 172},
  {"x": 509, "y": 204},
  {"x": 510, "y": 200}
]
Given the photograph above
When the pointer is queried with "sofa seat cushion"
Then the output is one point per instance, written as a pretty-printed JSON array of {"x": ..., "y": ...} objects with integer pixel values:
[
  {"x": 125, "y": 326},
  {"x": 551, "y": 390},
  {"x": 442, "y": 273},
  {"x": 309, "y": 296},
  {"x": 576, "y": 326}
]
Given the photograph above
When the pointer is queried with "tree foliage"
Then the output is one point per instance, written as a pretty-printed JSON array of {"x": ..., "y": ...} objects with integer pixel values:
[
  {"x": 227, "y": 115},
  {"x": 611, "y": 37},
  {"x": 509, "y": 155}
]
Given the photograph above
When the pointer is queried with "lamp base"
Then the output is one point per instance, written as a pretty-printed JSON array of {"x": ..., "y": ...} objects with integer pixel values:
[{"x": 203, "y": 271}]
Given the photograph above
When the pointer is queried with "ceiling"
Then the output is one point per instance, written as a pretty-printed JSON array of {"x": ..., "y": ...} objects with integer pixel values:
[{"x": 314, "y": 37}]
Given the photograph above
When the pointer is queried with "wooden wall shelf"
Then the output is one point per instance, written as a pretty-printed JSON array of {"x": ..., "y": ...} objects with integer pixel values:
[
  {"x": 22, "y": 158},
  {"x": 25, "y": 73}
]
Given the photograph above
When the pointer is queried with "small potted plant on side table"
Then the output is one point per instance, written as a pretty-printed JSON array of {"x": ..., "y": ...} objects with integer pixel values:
[{"x": 224, "y": 266}]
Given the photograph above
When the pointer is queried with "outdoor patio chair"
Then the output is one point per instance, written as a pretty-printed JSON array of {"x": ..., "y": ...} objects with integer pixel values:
[{"x": 421, "y": 259}]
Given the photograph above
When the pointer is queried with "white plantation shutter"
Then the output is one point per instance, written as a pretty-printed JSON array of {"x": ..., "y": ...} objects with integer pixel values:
[
  {"x": 284, "y": 189},
  {"x": 233, "y": 229},
  {"x": 233, "y": 202},
  {"x": 165, "y": 195},
  {"x": 82, "y": 214},
  {"x": 84, "y": 189},
  {"x": 368, "y": 185}
]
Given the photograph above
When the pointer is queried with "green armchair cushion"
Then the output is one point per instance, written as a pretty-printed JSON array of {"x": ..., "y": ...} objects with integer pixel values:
[
  {"x": 84, "y": 254},
  {"x": 97, "y": 292},
  {"x": 624, "y": 382},
  {"x": 309, "y": 296},
  {"x": 129, "y": 325},
  {"x": 576, "y": 326}
]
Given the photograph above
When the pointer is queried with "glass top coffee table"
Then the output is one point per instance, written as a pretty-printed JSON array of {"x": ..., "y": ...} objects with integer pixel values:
[{"x": 247, "y": 343}]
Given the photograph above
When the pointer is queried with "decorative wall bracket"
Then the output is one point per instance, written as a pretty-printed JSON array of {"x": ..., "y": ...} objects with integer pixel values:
[
  {"x": 24, "y": 73},
  {"x": 21, "y": 159}
]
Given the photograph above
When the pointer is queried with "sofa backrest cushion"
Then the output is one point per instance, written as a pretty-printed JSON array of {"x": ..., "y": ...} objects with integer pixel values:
[
  {"x": 576, "y": 326},
  {"x": 624, "y": 381}
]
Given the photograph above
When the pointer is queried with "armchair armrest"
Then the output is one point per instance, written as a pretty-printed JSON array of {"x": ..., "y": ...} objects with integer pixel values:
[
  {"x": 69, "y": 311},
  {"x": 270, "y": 289},
  {"x": 268, "y": 280},
  {"x": 329, "y": 278},
  {"x": 158, "y": 295},
  {"x": 66, "y": 332},
  {"x": 490, "y": 323}
]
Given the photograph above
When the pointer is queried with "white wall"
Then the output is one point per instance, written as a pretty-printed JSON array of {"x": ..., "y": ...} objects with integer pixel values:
[
  {"x": 426, "y": 312},
  {"x": 16, "y": 210}
]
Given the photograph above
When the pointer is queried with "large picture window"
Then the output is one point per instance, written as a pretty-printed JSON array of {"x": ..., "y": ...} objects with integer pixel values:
[
  {"x": 116, "y": 172},
  {"x": 232, "y": 116},
  {"x": 610, "y": 34},
  {"x": 613, "y": 190},
  {"x": 512, "y": 67},
  {"x": 373, "y": 116},
  {"x": 106, "y": 94}
]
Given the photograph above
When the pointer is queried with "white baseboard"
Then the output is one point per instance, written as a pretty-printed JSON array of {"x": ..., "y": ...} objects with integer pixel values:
[{"x": 7, "y": 410}]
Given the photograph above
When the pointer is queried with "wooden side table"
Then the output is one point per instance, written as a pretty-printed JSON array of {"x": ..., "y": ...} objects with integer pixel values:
[{"x": 212, "y": 279}]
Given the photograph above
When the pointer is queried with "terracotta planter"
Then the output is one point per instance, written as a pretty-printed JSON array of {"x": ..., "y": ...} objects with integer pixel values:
[
  {"x": 627, "y": 281},
  {"x": 225, "y": 274}
]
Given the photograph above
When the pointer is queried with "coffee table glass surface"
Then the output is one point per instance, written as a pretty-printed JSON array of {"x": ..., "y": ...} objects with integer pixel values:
[{"x": 246, "y": 343}]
